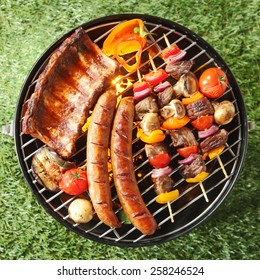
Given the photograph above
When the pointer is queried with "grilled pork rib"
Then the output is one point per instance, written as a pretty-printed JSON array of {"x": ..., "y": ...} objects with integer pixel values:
[{"x": 75, "y": 76}]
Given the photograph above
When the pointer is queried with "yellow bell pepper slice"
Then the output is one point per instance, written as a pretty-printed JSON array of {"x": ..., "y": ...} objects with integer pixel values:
[
  {"x": 154, "y": 137},
  {"x": 175, "y": 123},
  {"x": 167, "y": 196},
  {"x": 128, "y": 37},
  {"x": 215, "y": 152},
  {"x": 201, "y": 176},
  {"x": 195, "y": 97}
]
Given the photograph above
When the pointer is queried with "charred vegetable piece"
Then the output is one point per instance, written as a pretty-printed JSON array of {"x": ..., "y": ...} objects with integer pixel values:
[{"x": 48, "y": 167}]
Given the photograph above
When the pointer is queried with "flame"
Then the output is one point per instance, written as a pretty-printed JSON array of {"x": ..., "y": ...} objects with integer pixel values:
[{"x": 122, "y": 84}]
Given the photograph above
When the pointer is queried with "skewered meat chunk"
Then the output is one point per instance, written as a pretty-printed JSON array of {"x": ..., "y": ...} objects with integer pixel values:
[
  {"x": 178, "y": 68},
  {"x": 164, "y": 97},
  {"x": 163, "y": 184},
  {"x": 199, "y": 108},
  {"x": 182, "y": 137},
  {"x": 155, "y": 149},
  {"x": 75, "y": 76},
  {"x": 193, "y": 169},
  {"x": 216, "y": 140},
  {"x": 144, "y": 106}
]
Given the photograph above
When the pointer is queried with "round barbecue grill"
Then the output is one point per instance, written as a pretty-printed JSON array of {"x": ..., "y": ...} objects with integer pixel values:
[{"x": 190, "y": 208}]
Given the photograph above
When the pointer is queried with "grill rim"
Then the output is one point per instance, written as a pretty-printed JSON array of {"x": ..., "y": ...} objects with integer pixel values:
[{"x": 243, "y": 131}]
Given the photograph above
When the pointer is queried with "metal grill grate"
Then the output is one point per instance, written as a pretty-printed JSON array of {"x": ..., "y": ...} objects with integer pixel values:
[{"x": 190, "y": 209}]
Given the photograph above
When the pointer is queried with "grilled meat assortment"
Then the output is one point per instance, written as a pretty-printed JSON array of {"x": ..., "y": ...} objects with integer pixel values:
[{"x": 75, "y": 76}]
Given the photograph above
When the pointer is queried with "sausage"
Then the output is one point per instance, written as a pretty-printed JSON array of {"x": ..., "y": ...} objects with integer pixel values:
[
  {"x": 123, "y": 169},
  {"x": 97, "y": 158}
]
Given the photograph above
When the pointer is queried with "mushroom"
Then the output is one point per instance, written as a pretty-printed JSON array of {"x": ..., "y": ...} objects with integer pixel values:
[
  {"x": 81, "y": 211},
  {"x": 224, "y": 112},
  {"x": 186, "y": 85},
  {"x": 174, "y": 108}
]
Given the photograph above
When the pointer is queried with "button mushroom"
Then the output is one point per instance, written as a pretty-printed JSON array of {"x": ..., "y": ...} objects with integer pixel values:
[
  {"x": 81, "y": 211},
  {"x": 186, "y": 85},
  {"x": 174, "y": 108},
  {"x": 224, "y": 112}
]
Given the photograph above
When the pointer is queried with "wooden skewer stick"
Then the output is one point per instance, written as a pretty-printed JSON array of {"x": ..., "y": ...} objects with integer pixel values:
[
  {"x": 139, "y": 75},
  {"x": 203, "y": 191},
  {"x": 152, "y": 63},
  {"x": 170, "y": 211},
  {"x": 166, "y": 41},
  {"x": 222, "y": 166}
]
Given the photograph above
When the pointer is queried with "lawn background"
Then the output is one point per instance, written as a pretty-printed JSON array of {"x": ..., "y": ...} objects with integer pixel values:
[{"x": 27, "y": 28}]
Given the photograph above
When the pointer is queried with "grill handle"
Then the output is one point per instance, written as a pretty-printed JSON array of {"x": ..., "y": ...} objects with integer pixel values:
[{"x": 8, "y": 129}]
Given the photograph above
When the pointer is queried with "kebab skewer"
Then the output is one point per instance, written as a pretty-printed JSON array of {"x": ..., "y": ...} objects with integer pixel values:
[{"x": 155, "y": 149}]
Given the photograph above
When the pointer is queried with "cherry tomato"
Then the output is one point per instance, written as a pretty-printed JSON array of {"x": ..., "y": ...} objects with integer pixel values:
[
  {"x": 154, "y": 78},
  {"x": 160, "y": 160},
  {"x": 213, "y": 82},
  {"x": 74, "y": 181},
  {"x": 187, "y": 151},
  {"x": 203, "y": 122},
  {"x": 173, "y": 50},
  {"x": 140, "y": 86}
]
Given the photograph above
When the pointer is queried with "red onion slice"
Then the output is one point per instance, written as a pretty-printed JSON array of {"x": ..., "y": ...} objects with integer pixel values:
[
  {"x": 187, "y": 160},
  {"x": 142, "y": 94},
  {"x": 161, "y": 87},
  {"x": 158, "y": 172},
  {"x": 208, "y": 132},
  {"x": 176, "y": 57}
]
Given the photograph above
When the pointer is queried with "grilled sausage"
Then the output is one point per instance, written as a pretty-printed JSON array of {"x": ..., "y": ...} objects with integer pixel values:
[
  {"x": 97, "y": 157},
  {"x": 123, "y": 169}
]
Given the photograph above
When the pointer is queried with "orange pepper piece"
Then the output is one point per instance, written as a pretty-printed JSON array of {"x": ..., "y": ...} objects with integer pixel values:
[
  {"x": 154, "y": 137},
  {"x": 195, "y": 97},
  {"x": 198, "y": 178},
  {"x": 163, "y": 198},
  {"x": 175, "y": 123},
  {"x": 215, "y": 152}
]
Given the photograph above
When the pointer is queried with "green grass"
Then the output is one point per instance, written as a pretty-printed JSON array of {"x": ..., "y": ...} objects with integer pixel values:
[{"x": 27, "y": 28}]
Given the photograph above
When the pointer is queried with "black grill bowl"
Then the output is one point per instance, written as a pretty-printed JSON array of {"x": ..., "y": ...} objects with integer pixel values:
[{"x": 190, "y": 209}]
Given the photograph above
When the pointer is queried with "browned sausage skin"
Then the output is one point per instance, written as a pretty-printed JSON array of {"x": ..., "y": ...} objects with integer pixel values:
[
  {"x": 97, "y": 157},
  {"x": 123, "y": 169}
]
